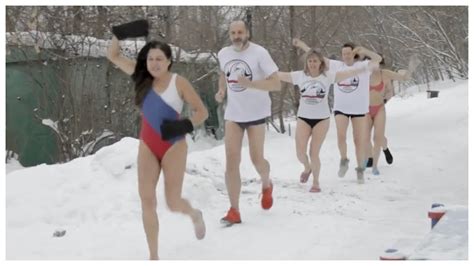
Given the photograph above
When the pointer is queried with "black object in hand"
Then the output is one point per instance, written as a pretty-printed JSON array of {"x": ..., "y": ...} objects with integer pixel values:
[
  {"x": 132, "y": 29},
  {"x": 171, "y": 129}
]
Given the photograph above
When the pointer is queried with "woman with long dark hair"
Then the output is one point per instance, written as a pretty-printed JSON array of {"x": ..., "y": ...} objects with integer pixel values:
[{"x": 160, "y": 95}]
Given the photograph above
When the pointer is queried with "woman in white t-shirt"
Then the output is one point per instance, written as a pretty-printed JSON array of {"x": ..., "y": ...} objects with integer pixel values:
[{"x": 313, "y": 112}]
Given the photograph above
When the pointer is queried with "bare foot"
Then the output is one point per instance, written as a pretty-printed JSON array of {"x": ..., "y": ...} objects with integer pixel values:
[
  {"x": 199, "y": 225},
  {"x": 305, "y": 176},
  {"x": 315, "y": 189}
]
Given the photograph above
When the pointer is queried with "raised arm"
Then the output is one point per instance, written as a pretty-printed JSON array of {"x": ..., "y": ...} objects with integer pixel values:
[
  {"x": 113, "y": 54},
  {"x": 362, "y": 51},
  {"x": 403, "y": 74},
  {"x": 285, "y": 77},
  {"x": 303, "y": 46},
  {"x": 300, "y": 44},
  {"x": 354, "y": 71}
]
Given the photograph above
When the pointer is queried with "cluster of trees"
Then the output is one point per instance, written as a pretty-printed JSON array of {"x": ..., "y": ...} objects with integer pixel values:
[{"x": 438, "y": 35}]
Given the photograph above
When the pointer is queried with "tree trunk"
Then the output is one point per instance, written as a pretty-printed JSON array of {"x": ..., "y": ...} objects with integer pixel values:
[
  {"x": 102, "y": 22},
  {"x": 77, "y": 20}
]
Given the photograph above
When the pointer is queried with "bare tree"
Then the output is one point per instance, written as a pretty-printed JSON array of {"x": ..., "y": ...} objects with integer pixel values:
[{"x": 92, "y": 96}]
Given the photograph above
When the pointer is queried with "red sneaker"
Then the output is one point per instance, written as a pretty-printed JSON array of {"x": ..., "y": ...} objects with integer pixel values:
[
  {"x": 267, "y": 199},
  {"x": 232, "y": 217}
]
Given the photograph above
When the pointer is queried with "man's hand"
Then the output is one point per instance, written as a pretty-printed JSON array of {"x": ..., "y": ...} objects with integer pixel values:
[
  {"x": 220, "y": 96},
  {"x": 296, "y": 42},
  {"x": 244, "y": 82},
  {"x": 402, "y": 72},
  {"x": 359, "y": 50}
]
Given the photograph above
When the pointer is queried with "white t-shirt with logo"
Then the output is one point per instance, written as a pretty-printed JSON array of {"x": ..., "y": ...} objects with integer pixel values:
[
  {"x": 314, "y": 94},
  {"x": 254, "y": 63},
  {"x": 351, "y": 96}
]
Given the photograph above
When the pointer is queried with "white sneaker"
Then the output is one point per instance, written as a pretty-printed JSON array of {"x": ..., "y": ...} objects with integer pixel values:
[
  {"x": 343, "y": 167},
  {"x": 360, "y": 175},
  {"x": 375, "y": 171}
]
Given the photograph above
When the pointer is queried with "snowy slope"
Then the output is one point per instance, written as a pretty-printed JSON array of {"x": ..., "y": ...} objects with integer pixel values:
[{"x": 95, "y": 198}]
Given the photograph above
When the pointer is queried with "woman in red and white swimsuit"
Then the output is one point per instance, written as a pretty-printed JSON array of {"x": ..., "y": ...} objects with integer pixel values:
[
  {"x": 160, "y": 95},
  {"x": 379, "y": 81}
]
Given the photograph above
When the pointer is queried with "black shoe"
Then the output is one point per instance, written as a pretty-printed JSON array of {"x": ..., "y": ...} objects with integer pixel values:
[
  {"x": 388, "y": 156},
  {"x": 370, "y": 161}
]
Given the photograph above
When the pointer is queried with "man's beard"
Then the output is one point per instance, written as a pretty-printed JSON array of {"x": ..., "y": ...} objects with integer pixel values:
[{"x": 240, "y": 45}]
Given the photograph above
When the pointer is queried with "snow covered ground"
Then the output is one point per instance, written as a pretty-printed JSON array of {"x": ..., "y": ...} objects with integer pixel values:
[
  {"x": 12, "y": 165},
  {"x": 95, "y": 199}
]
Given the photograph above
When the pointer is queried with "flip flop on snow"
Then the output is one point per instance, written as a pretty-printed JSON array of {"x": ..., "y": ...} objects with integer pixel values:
[
  {"x": 315, "y": 189},
  {"x": 305, "y": 176}
]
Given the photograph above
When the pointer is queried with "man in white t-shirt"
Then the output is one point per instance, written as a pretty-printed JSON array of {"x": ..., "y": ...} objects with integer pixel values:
[
  {"x": 351, "y": 103},
  {"x": 248, "y": 73}
]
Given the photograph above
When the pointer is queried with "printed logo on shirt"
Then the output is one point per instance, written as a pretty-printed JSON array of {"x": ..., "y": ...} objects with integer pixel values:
[
  {"x": 313, "y": 92},
  {"x": 234, "y": 69},
  {"x": 349, "y": 85}
]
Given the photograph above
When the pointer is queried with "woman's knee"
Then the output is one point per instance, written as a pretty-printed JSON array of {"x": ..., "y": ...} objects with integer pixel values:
[
  {"x": 315, "y": 159},
  {"x": 360, "y": 141},
  {"x": 232, "y": 160},
  {"x": 341, "y": 136},
  {"x": 368, "y": 136},
  {"x": 301, "y": 155},
  {"x": 172, "y": 205},
  {"x": 175, "y": 203},
  {"x": 148, "y": 202},
  {"x": 232, "y": 165}
]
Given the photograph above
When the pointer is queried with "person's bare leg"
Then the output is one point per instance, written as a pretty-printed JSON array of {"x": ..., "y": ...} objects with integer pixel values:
[
  {"x": 148, "y": 174},
  {"x": 342, "y": 123},
  {"x": 379, "y": 133},
  {"x": 256, "y": 137},
  {"x": 359, "y": 130},
  {"x": 174, "y": 165},
  {"x": 369, "y": 149},
  {"x": 385, "y": 143},
  {"x": 302, "y": 134},
  {"x": 318, "y": 135},
  {"x": 233, "y": 147}
]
